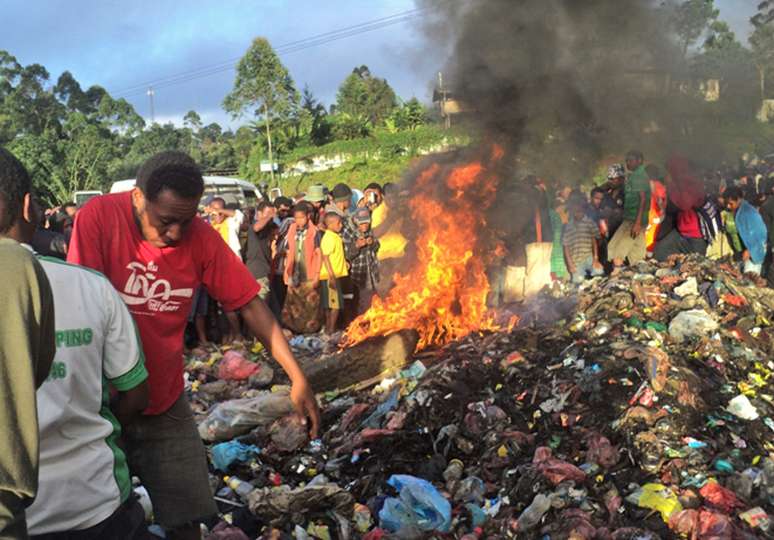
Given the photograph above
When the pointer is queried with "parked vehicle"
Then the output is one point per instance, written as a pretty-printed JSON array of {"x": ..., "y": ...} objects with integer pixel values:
[
  {"x": 235, "y": 191},
  {"x": 82, "y": 197}
]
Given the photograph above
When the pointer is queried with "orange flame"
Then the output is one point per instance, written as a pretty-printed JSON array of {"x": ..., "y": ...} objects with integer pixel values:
[{"x": 443, "y": 296}]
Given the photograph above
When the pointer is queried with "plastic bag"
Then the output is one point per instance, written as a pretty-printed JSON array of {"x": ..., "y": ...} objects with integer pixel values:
[
  {"x": 741, "y": 407},
  {"x": 692, "y": 323},
  {"x": 556, "y": 470},
  {"x": 289, "y": 433},
  {"x": 684, "y": 522},
  {"x": 238, "y": 416},
  {"x": 282, "y": 501},
  {"x": 532, "y": 514},
  {"x": 419, "y": 507},
  {"x": 235, "y": 367},
  {"x": 690, "y": 287},
  {"x": 224, "y": 531},
  {"x": 656, "y": 497},
  {"x": 224, "y": 454},
  {"x": 719, "y": 497},
  {"x": 471, "y": 489},
  {"x": 714, "y": 526},
  {"x": 262, "y": 377},
  {"x": 601, "y": 451}
]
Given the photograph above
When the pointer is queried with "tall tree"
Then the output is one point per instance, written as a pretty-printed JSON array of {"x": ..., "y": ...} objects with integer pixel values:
[
  {"x": 762, "y": 46},
  {"x": 192, "y": 121},
  {"x": 362, "y": 94},
  {"x": 724, "y": 58},
  {"x": 692, "y": 19},
  {"x": 765, "y": 12},
  {"x": 264, "y": 86}
]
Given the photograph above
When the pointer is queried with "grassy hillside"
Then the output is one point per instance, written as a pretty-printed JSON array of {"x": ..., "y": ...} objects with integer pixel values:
[{"x": 382, "y": 157}]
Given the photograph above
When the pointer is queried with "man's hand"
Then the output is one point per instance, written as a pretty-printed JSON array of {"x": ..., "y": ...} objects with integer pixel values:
[
  {"x": 596, "y": 265},
  {"x": 315, "y": 283},
  {"x": 370, "y": 240},
  {"x": 265, "y": 327},
  {"x": 571, "y": 268},
  {"x": 303, "y": 399},
  {"x": 746, "y": 255},
  {"x": 332, "y": 282},
  {"x": 361, "y": 242},
  {"x": 636, "y": 229}
]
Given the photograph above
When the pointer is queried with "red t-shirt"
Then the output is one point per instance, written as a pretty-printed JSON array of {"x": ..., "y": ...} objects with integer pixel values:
[
  {"x": 158, "y": 284},
  {"x": 688, "y": 224}
]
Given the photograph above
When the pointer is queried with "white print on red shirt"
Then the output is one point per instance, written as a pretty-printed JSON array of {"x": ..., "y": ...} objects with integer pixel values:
[{"x": 142, "y": 287}]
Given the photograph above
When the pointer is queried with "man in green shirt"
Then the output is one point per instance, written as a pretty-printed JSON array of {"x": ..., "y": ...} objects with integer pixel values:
[
  {"x": 27, "y": 348},
  {"x": 629, "y": 241}
]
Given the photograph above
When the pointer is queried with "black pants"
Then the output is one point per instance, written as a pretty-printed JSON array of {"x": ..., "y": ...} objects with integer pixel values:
[
  {"x": 768, "y": 268},
  {"x": 278, "y": 292},
  {"x": 674, "y": 243},
  {"x": 126, "y": 523},
  {"x": 350, "y": 294}
]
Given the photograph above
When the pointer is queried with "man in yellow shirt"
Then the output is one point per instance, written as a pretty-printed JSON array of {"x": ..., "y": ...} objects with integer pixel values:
[{"x": 334, "y": 266}]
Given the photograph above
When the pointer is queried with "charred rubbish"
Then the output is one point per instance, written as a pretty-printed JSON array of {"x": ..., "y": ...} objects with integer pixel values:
[{"x": 645, "y": 409}]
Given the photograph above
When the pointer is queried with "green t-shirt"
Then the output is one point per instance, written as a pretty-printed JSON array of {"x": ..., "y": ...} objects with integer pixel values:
[
  {"x": 638, "y": 182},
  {"x": 27, "y": 348}
]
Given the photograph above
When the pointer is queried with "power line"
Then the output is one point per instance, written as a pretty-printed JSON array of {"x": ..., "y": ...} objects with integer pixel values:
[
  {"x": 287, "y": 48},
  {"x": 215, "y": 69}
]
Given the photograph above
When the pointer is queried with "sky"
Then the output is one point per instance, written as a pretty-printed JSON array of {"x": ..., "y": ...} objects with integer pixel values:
[{"x": 127, "y": 46}]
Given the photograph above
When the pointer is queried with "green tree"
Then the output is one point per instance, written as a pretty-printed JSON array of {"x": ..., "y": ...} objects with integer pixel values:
[
  {"x": 192, "y": 121},
  {"x": 362, "y": 94},
  {"x": 692, "y": 18},
  {"x": 408, "y": 116},
  {"x": 264, "y": 86},
  {"x": 319, "y": 128},
  {"x": 765, "y": 13},
  {"x": 348, "y": 126},
  {"x": 724, "y": 58},
  {"x": 762, "y": 46}
]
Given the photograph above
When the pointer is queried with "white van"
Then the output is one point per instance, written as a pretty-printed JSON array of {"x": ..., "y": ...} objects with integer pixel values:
[
  {"x": 234, "y": 191},
  {"x": 82, "y": 197}
]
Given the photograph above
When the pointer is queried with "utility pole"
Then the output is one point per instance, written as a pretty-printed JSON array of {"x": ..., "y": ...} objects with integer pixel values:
[
  {"x": 268, "y": 138},
  {"x": 151, "y": 93}
]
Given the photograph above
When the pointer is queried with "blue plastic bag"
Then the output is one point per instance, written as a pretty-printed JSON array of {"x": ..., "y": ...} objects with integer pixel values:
[
  {"x": 226, "y": 453},
  {"x": 419, "y": 506},
  {"x": 389, "y": 403}
]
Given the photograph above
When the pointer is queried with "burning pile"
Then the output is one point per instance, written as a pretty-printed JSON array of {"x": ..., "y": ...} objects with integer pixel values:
[{"x": 443, "y": 295}]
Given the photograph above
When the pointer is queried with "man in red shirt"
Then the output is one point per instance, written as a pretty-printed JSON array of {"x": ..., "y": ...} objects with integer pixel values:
[{"x": 155, "y": 251}]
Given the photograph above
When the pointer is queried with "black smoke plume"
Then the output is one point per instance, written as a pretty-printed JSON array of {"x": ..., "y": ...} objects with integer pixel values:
[{"x": 562, "y": 83}]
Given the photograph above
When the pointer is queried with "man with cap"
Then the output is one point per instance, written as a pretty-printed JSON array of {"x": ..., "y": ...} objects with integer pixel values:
[
  {"x": 342, "y": 202},
  {"x": 365, "y": 264},
  {"x": 315, "y": 195},
  {"x": 628, "y": 242},
  {"x": 613, "y": 200}
]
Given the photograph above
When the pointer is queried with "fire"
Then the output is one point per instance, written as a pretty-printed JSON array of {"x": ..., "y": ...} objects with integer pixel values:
[{"x": 443, "y": 296}]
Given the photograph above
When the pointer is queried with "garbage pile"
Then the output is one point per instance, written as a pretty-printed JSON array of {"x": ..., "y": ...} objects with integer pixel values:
[{"x": 646, "y": 411}]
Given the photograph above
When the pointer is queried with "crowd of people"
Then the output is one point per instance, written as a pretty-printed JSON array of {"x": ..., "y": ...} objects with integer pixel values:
[
  {"x": 316, "y": 258},
  {"x": 91, "y": 354},
  {"x": 642, "y": 212},
  {"x": 91, "y": 349}
]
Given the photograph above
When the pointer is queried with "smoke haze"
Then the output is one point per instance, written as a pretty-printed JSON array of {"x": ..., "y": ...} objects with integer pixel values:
[{"x": 561, "y": 83}]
